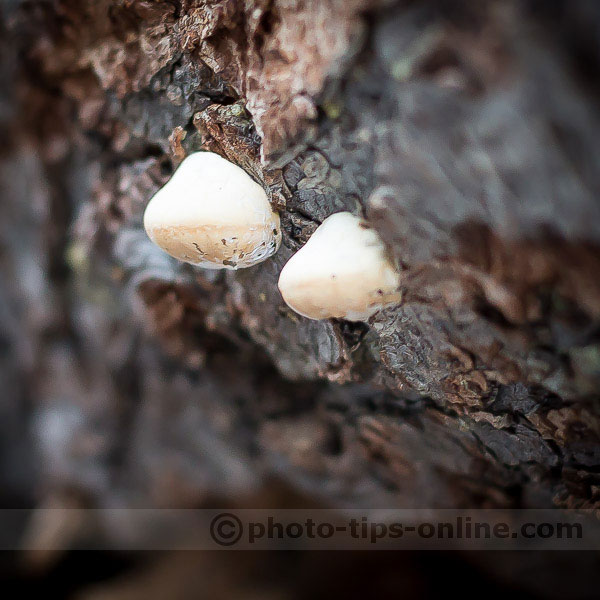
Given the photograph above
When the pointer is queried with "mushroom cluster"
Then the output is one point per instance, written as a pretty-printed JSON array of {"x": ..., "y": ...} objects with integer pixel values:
[
  {"x": 212, "y": 214},
  {"x": 342, "y": 271}
]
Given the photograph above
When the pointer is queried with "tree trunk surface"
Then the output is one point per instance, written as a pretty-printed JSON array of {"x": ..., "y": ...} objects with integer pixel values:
[{"x": 467, "y": 133}]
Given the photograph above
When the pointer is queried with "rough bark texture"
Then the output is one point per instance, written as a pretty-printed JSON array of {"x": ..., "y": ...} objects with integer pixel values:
[{"x": 466, "y": 132}]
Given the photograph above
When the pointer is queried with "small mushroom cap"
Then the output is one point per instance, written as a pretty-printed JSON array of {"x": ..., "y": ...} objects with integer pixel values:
[
  {"x": 342, "y": 271},
  {"x": 211, "y": 213}
]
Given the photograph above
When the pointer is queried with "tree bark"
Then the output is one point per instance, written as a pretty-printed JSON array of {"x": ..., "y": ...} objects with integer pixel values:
[{"x": 467, "y": 134}]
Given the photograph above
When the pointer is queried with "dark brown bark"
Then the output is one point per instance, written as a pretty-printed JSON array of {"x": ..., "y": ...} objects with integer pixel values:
[{"x": 466, "y": 132}]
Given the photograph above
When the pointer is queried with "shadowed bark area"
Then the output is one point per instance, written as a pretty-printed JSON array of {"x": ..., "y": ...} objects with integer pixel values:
[{"x": 467, "y": 133}]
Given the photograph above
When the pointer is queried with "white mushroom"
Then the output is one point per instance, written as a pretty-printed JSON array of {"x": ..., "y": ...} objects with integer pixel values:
[
  {"x": 212, "y": 214},
  {"x": 342, "y": 271}
]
